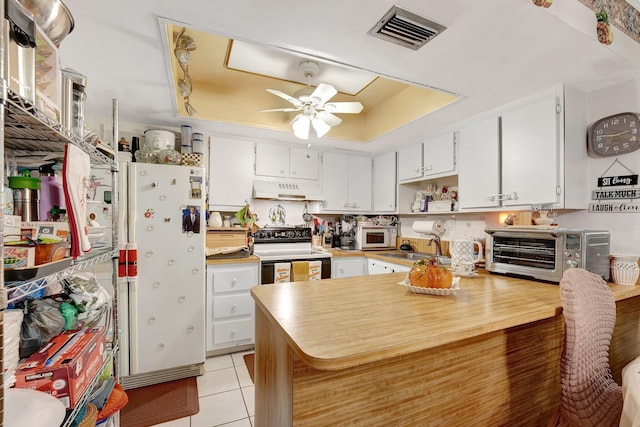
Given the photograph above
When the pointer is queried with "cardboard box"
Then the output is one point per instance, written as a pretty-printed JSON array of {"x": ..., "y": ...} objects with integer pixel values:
[
  {"x": 19, "y": 257},
  {"x": 65, "y": 366}
]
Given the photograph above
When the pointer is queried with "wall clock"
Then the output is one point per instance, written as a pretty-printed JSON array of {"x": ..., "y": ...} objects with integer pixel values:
[{"x": 614, "y": 135}]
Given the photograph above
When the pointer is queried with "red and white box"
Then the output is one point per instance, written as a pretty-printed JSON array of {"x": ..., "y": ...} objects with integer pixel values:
[{"x": 65, "y": 366}]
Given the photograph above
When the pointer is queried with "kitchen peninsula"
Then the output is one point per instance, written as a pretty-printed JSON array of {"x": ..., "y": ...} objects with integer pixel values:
[{"x": 364, "y": 351}]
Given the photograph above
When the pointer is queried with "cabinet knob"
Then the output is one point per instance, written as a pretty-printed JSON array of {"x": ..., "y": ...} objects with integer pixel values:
[
  {"x": 151, "y": 320},
  {"x": 156, "y": 284},
  {"x": 233, "y": 282},
  {"x": 160, "y": 346},
  {"x": 233, "y": 333},
  {"x": 182, "y": 299},
  {"x": 233, "y": 308},
  {"x": 195, "y": 271},
  {"x": 171, "y": 261},
  {"x": 190, "y": 329},
  {"x": 293, "y": 172},
  {"x": 282, "y": 172}
]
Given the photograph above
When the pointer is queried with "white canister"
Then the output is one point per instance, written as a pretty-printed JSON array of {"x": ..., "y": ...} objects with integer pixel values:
[{"x": 197, "y": 143}]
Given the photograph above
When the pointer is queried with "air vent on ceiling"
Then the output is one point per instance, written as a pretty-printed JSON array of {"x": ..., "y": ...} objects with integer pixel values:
[{"x": 405, "y": 28}]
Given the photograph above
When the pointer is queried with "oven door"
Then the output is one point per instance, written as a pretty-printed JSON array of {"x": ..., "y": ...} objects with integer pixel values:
[
  {"x": 268, "y": 268},
  {"x": 536, "y": 255}
]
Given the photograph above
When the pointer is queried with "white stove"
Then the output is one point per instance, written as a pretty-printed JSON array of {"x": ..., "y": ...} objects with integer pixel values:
[{"x": 286, "y": 244}]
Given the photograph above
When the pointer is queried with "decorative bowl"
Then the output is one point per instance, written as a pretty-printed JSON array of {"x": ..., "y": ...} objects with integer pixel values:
[
  {"x": 169, "y": 157},
  {"x": 625, "y": 276},
  {"x": 543, "y": 220}
]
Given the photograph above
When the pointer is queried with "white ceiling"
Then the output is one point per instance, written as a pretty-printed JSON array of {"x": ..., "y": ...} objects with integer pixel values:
[{"x": 491, "y": 53}]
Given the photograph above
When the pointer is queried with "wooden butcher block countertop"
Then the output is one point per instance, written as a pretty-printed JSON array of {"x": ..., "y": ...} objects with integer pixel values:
[{"x": 340, "y": 323}]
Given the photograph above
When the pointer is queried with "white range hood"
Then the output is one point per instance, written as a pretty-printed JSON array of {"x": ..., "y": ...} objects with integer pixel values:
[{"x": 282, "y": 190}]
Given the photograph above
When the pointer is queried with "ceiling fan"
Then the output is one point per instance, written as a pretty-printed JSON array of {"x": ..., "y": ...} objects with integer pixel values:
[{"x": 316, "y": 112}]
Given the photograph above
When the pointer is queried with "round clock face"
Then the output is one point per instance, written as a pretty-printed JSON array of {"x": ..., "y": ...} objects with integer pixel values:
[{"x": 614, "y": 135}]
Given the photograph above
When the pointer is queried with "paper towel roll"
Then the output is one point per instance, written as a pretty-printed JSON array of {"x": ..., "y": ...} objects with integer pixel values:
[{"x": 429, "y": 227}]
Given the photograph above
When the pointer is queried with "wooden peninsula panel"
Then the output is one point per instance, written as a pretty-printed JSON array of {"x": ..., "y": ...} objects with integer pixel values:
[{"x": 364, "y": 351}]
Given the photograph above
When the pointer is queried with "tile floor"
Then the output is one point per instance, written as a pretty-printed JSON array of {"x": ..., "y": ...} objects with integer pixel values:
[{"x": 226, "y": 395}]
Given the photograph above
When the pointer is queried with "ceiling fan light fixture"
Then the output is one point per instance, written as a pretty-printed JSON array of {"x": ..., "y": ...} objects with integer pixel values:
[
  {"x": 183, "y": 55},
  {"x": 320, "y": 127},
  {"x": 184, "y": 87},
  {"x": 300, "y": 125},
  {"x": 184, "y": 45}
]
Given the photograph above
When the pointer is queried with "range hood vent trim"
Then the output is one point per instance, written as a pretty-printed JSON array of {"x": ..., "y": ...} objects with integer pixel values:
[
  {"x": 406, "y": 29},
  {"x": 283, "y": 190}
]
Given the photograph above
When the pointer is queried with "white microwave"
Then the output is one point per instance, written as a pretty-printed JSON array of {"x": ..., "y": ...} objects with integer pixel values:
[{"x": 376, "y": 237}]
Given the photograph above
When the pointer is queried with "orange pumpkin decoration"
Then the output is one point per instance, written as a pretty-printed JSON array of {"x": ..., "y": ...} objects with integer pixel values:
[{"x": 427, "y": 273}]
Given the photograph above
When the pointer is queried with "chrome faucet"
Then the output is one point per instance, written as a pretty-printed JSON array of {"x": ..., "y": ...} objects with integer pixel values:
[{"x": 436, "y": 241}]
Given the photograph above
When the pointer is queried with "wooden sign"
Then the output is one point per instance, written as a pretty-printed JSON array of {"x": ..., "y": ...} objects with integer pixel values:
[
  {"x": 614, "y": 207},
  {"x": 633, "y": 193},
  {"x": 618, "y": 180}
]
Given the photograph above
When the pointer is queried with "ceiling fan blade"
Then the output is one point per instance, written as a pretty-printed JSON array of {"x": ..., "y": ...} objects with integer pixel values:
[
  {"x": 286, "y": 110},
  {"x": 323, "y": 93},
  {"x": 343, "y": 107},
  {"x": 329, "y": 118},
  {"x": 320, "y": 127},
  {"x": 300, "y": 125},
  {"x": 283, "y": 95}
]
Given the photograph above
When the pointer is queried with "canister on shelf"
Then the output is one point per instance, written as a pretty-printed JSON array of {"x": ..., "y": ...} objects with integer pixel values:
[{"x": 197, "y": 143}]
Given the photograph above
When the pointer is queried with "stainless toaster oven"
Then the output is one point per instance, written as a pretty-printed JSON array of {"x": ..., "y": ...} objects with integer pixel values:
[{"x": 546, "y": 253}]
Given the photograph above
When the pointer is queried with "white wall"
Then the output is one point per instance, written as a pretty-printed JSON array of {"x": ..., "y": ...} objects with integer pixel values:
[{"x": 624, "y": 227}]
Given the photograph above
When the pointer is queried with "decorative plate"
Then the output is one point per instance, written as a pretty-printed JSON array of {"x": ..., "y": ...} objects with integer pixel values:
[{"x": 455, "y": 286}]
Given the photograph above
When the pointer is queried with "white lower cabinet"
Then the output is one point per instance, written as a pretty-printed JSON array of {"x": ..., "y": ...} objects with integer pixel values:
[
  {"x": 348, "y": 267},
  {"x": 230, "y": 308},
  {"x": 375, "y": 266}
]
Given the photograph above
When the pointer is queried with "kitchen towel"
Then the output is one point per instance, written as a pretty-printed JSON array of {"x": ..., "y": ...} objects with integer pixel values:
[
  {"x": 315, "y": 270},
  {"x": 281, "y": 272},
  {"x": 436, "y": 228},
  {"x": 300, "y": 270}
]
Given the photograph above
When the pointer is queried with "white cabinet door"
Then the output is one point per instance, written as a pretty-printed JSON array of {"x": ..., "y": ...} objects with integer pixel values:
[
  {"x": 410, "y": 162},
  {"x": 359, "y": 194},
  {"x": 272, "y": 160},
  {"x": 346, "y": 182},
  {"x": 384, "y": 183},
  {"x": 479, "y": 164},
  {"x": 530, "y": 152},
  {"x": 348, "y": 267},
  {"x": 335, "y": 177},
  {"x": 304, "y": 164},
  {"x": 230, "y": 173},
  {"x": 438, "y": 155}
]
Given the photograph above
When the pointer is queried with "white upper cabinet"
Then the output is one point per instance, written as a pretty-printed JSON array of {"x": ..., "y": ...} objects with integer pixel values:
[
  {"x": 346, "y": 182},
  {"x": 438, "y": 155},
  {"x": 384, "y": 183},
  {"x": 434, "y": 157},
  {"x": 410, "y": 162},
  {"x": 531, "y": 145},
  {"x": 230, "y": 173},
  {"x": 531, "y": 152},
  {"x": 479, "y": 164},
  {"x": 286, "y": 162}
]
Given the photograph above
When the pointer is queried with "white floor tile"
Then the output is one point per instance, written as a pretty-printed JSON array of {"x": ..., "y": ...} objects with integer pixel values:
[
  {"x": 182, "y": 422},
  {"x": 241, "y": 423},
  {"x": 218, "y": 409},
  {"x": 218, "y": 362},
  {"x": 217, "y": 381},
  {"x": 249, "y": 399},
  {"x": 238, "y": 357}
]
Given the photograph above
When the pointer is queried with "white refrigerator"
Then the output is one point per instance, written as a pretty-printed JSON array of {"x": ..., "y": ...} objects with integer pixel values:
[{"x": 162, "y": 308}]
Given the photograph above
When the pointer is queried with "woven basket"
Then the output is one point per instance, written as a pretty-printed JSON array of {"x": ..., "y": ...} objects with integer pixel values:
[
  {"x": 90, "y": 416},
  {"x": 117, "y": 400}
]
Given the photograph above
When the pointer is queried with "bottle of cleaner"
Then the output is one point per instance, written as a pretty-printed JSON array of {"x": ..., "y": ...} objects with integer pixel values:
[{"x": 51, "y": 193}]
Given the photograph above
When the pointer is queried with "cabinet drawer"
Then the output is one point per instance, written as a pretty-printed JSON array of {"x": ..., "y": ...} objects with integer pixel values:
[
  {"x": 234, "y": 279},
  {"x": 232, "y": 305},
  {"x": 223, "y": 239},
  {"x": 232, "y": 330}
]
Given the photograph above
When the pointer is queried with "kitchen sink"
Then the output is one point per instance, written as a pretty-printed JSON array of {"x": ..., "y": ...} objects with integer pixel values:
[{"x": 415, "y": 256}]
